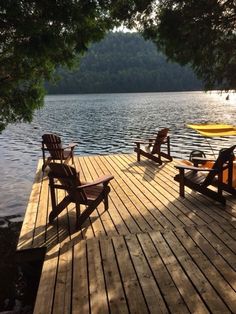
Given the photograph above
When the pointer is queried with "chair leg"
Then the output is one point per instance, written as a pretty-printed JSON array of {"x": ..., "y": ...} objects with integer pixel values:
[
  {"x": 86, "y": 213},
  {"x": 137, "y": 150},
  {"x": 56, "y": 208},
  {"x": 46, "y": 162},
  {"x": 73, "y": 160},
  {"x": 90, "y": 208},
  {"x": 168, "y": 146},
  {"x": 77, "y": 208},
  {"x": 158, "y": 148},
  {"x": 138, "y": 156},
  {"x": 166, "y": 154},
  {"x": 181, "y": 183},
  {"x": 105, "y": 201},
  {"x": 52, "y": 192},
  {"x": 59, "y": 208}
]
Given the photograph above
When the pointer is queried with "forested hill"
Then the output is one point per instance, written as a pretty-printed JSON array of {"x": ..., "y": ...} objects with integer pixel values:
[{"x": 125, "y": 62}]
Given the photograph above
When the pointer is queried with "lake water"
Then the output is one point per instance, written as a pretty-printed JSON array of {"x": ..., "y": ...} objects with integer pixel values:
[{"x": 106, "y": 124}]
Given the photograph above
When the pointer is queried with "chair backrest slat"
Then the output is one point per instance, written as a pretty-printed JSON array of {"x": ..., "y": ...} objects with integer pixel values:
[
  {"x": 53, "y": 144},
  {"x": 160, "y": 139},
  {"x": 68, "y": 177},
  {"x": 224, "y": 159}
]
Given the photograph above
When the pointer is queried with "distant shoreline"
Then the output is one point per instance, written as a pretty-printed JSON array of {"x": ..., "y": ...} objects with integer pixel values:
[
  {"x": 145, "y": 92},
  {"x": 124, "y": 63},
  {"x": 224, "y": 93}
]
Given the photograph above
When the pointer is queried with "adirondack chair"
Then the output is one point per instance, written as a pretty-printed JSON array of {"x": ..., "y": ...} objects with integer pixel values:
[
  {"x": 65, "y": 177},
  {"x": 52, "y": 145},
  {"x": 151, "y": 148},
  {"x": 201, "y": 178},
  {"x": 198, "y": 158}
]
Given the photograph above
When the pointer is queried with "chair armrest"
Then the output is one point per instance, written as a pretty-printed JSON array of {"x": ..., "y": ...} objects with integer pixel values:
[
  {"x": 194, "y": 168},
  {"x": 142, "y": 142},
  {"x": 160, "y": 139},
  {"x": 104, "y": 179},
  {"x": 70, "y": 146},
  {"x": 151, "y": 140},
  {"x": 156, "y": 138},
  {"x": 201, "y": 159},
  {"x": 52, "y": 149}
]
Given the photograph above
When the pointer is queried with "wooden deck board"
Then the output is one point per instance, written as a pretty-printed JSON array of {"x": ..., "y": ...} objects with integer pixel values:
[
  {"x": 80, "y": 296},
  {"x": 151, "y": 252},
  {"x": 165, "y": 180},
  {"x": 204, "y": 288},
  {"x": 161, "y": 213},
  {"x": 147, "y": 281},
  {"x": 208, "y": 270},
  {"x": 47, "y": 283},
  {"x": 115, "y": 291},
  {"x": 181, "y": 212},
  {"x": 97, "y": 287},
  {"x": 193, "y": 201},
  {"x": 163, "y": 278},
  {"x": 133, "y": 200},
  {"x": 28, "y": 228}
]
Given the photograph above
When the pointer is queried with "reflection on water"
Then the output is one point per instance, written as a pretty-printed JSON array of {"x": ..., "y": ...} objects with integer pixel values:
[{"x": 105, "y": 124}]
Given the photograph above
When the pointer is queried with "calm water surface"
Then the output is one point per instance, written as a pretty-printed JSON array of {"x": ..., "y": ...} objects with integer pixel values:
[{"x": 105, "y": 124}]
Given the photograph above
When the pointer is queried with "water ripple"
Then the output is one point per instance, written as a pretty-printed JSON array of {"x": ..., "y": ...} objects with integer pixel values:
[{"x": 105, "y": 124}]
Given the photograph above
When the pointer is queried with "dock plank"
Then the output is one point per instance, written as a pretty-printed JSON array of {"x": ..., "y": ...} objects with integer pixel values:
[
  {"x": 117, "y": 216},
  {"x": 107, "y": 223},
  {"x": 223, "y": 289},
  {"x": 136, "y": 208},
  {"x": 97, "y": 288},
  {"x": 151, "y": 252},
  {"x": 216, "y": 259},
  {"x": 148, "y": 284},
  {"x": 39, "y": 237},
  {"x": 221, "y": 247},
  {"x": 133, "y": 291},
  {"x": 164, "y": 281},
  {"x": 187, "y": 290},
  {"x": 80, "y": 295},
  {"x": 62, "y": 285},
  {"x": 159, "y": 201},
  {"x": 164, "y": 194},
  {"x": 205, "y": 290},
  {"x": 115, "y": 291},
  {"x": 97, "y": 225},
  {"x": 122, "y": 202},
  {"x": 167, "y": 183},
  {"x": 160, "y": 213},
  {"x": 28, "y": 226},
  {"x": 47, "y": 283}
]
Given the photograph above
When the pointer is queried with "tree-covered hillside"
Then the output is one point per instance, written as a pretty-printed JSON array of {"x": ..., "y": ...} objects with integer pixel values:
[{"x": 125, "y": 62}]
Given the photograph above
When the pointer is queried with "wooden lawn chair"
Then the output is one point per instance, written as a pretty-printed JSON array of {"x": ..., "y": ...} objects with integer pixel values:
[
  {"x": 200, "y": 178},
  {"x": 52, "y": 145},
  {"x": 65, "y": 177},
  {"x": 151, "y": 148},
  {"x": 198, "y": 158}
]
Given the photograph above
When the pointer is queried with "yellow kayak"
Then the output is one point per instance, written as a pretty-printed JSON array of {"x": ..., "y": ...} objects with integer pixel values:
[{"x": 214, "y": 129}]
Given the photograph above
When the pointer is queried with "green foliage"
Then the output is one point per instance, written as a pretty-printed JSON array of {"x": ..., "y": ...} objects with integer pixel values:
[
  {"x": 200, "y": 33},
  {"x": 40, "y": 35},
  {"x": 124, "y": 62}
]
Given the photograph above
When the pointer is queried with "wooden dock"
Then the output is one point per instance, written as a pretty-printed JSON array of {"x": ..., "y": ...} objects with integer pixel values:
[{"x": 151, "y": 252}]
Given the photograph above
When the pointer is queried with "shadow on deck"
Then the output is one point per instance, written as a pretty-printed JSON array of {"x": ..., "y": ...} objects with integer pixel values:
[{"x": 152, "y": 251}]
